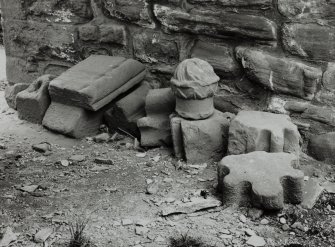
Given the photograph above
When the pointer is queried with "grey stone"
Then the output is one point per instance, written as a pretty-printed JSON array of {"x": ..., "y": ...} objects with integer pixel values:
[
  {"x": 33, "y": 102},
  {"x": 322, "y": 147},
  {"x": 42, "y": 235},
  {"x": 215, "y": 23},
  {"x": 261, "y": 131},
  {"x": 72, "y": 121},
  {"x": 311, "y": 193},
  {"x": 312, "y": 41},
  {"x": 256, "y": 241},
  {"x": 221, "y": 57},
  {"x": 125, "y": 113},
  {"x": 12, "y": 91},
  {"x": 251, "y": 178},
  {"x": 201, "y": 140},
  {"x": 280, "y": 74},
  {"x": 8, "y": 237},
  {"x": 96, "y": 81}
]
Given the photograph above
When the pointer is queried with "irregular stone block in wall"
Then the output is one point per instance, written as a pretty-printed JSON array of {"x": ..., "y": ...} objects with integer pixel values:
[
  {"x": 155, "y": 127},
  {"x": 216, "y": 23},
  {"x": 266, "y": 180},
  {"x": 125, "y": 112},
  {"x": 324, "y": 115},
  {"x": 221, "y": 57},
  {"x": 327, "y": 93},
  {"x": 96, "y": 81},
  {"x": 72, "y": 121},
  {"x": 302, "y": 9},
  {"x": 33, "y": 102},
  {"x": 70, "y": 11},
  {"x": 135, "y": 11},
  {"x": 280, "y": 74},
  {"x": 11, "y": 93},
  {"x": 322, "y": 147},
  {"x": 312, "y": 41},
  {"x": 261, "y": 131},
  {"x": 201, "y": 140},
  {"x": 150, "y": 47},
  {"x": 234, "y": 3}
]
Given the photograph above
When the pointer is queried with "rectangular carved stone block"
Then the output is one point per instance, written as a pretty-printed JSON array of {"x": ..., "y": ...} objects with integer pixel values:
[
  {"x": 72, "y": 121},
  {"x": 96, "y": 81}
]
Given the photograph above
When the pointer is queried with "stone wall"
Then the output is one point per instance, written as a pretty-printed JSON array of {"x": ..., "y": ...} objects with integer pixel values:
[{"x": 273, "y": 55}]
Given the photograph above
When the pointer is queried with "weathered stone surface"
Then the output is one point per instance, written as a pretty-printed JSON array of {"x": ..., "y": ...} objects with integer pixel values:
[
  {"x": 322, "y": 147},
  {"x": 71, "y": 11},
  {"x": 160, "y": 101},
  {"x": 135, "y": 11},
  {"x": 33, "y": 102},
  {"x": 201, "y": 140},
  {"x": 312, "y": 41},
  {"x": 216, "y": 23},
  {"x": 12, "y": 91},
  {"x": 154, "y": 47},
  {"x": 72, "y": 121},
  {"x": 321, "y": 114},
  {"x": 13, "y": 9},
  {"x": 194, "y": 84},
  {"x": 221, "y": 57},
  {"x": 96, "y": 81},
  {"x": 280, "y": 74},
  {"x": 155, "y": 127},
  {"x": 311, "y": 9},
  {"x": 234, "y": 3},
  {"x": 125, "y": 112},
  {"x": 311, "y": 193},
  {"x": 261, "y": 131},
  {"x": 251, "y": 178},
  {"x": 113, "y": 33},
  {"x": 327, "y": 93}
]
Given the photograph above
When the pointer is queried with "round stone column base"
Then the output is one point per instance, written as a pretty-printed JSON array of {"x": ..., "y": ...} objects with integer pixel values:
[{"x": 195, "y": 109}]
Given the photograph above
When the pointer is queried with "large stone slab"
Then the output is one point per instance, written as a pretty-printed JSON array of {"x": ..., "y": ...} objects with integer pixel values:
[
  {"x": 262, "y": 131},
  {"x": 155, "y": 128},
  {"x": 72, "y": 121},
  {"x": 96, "y": 81},
  {"x": 201, "y": 140},
  {"x": 125, "y": 113},
  {"x": 33, "y": 102},
  {"x": 280, "y": 74},
  {"x": 234, "y": 3},
  {"x": 322, "y": 147},
  {"x": 216, "y": 23},
  {"x": 266, "y": 180},
  {"x": 221, "y": 57},
  {"x": 312, "y": 41}
]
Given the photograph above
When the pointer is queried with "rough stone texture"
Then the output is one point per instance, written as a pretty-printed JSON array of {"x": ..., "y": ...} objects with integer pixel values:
[
  {"x": 50, "y": 36},
  {"x": 251, "y": 178},
  {"x": 327, "y": 93},
  {"x": 215, "y": 23},
  {"x": 322, "y": 147},
  {"x": 155, "y": 127},
  {"x": 72, "y": 121},
  {"x": 221, "y": 57},
  {"x": 12, "y": 91},
  {"x": 261, "y": 131},
  {"x": 312, "y": 41},
  {"x": 280, "y": 74},
  {"x": 201, "y": 140},
  {"x": 194, "y": 84},
  {"x": 96, "y": 81},
  {"x": 125, "y": 112},
  {"x": 33, "y": 102},
  {"x": 312, "y": 192},
  {"x": 311, "y": 9}
]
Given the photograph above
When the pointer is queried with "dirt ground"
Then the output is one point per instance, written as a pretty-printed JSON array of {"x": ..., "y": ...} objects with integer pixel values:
[{"x": 114, "y": 199}]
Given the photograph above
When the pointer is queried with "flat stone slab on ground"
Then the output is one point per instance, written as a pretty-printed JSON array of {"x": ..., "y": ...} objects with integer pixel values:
[
  {"x": 72, "y": 121},
  {"x": 262, "y": 131},
  {"x": 312, "y": 192},
  {"x": 33, "y": 102},
  {"x": 266, "y": 180},
  {"x": 96, "y": 81}
]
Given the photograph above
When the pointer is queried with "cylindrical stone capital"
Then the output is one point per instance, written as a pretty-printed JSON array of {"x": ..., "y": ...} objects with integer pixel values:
[{"x": 195, "y": 109}]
